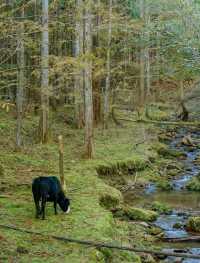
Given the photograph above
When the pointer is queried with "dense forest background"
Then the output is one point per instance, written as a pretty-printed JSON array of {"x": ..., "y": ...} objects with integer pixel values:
[{"x": 91, "y": 58}]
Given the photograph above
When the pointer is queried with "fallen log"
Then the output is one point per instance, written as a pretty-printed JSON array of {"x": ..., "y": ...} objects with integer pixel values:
[
  {"x": 101, "y": 245},
  {"x": 182, "y": 239},
  {"x": 176, "y": 123}
]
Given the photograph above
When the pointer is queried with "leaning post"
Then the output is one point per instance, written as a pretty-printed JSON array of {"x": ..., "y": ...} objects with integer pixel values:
[{"x": 61, "y": 162}]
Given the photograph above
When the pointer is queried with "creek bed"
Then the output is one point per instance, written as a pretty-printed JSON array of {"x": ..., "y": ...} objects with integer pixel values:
[{"x": 182, "y": 201}]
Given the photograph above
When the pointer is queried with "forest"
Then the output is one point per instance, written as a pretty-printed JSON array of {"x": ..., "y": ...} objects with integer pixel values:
[{"x": 99, "y": 112}]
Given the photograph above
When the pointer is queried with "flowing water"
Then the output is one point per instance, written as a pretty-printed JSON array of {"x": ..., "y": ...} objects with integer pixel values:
[{"x": 183, "y": 202}]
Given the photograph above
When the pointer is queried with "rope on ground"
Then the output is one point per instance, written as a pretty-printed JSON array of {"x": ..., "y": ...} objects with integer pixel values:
[{"x": 103, "y": 245}]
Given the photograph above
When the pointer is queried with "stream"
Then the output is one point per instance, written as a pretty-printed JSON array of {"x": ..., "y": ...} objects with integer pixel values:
[{"x": 183, "y": 202}]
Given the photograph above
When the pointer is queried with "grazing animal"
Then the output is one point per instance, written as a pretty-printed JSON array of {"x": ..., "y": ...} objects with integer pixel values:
[{"x": 48, "y": 189}]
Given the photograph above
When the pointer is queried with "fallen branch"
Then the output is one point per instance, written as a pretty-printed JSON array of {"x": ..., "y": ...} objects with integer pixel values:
[
  {"x": 176, "y": 123},
  {"x": 182, "y": 239},
  {"x": 101, "y": 245}
]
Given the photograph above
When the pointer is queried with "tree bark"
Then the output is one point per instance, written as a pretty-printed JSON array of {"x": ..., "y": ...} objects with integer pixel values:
[
  {"x": 142, "y": 59},
  {"x": 89, "y": 147},
  {"x": 147, "y": 55},
  {"x": 78, "y": 85},
  {"x": 20, "y": 86},
  {"x": 108, "y": 73},
  {"x": 44, "y": 120}
]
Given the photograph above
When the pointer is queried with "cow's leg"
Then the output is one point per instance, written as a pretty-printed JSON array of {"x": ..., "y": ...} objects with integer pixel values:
[
  {"x": 37, "y": 206},
  {"x": 55, "y": 206},
  {"x": 43, "y": 207}
]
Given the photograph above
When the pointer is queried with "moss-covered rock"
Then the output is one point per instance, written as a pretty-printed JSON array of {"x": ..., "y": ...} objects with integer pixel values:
[
  {"x": 114, "y": 256},
  {"x": 126, "y": 166},
  {"x": 135, "y": 213},
  {"x": 164, "y": 185},
  {"x": 194, "y": 184},
  {"x": 109, "y": 201},
  {"x": 155, "y": 231},
  {"x": 177, "y": 225},
  {"x": 193, "y": 224},
  {"x": 161, "y": 208},
  {"x": 163, "y": 150}
]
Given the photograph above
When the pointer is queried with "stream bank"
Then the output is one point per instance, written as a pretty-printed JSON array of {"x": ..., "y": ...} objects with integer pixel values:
[
  {"x": 169, "y": 174},
  {"x": 183, "y": 202}
]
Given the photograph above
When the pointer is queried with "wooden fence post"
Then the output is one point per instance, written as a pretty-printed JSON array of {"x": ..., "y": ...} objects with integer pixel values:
[{"x": 61, "y": 163}]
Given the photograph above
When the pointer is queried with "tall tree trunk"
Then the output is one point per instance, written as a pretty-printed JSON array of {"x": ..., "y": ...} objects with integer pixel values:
[
  {"x": 20, "y": 86},
  {"x": 142, "y": 60},
  {"x": 89, "y": 147},
  {"x": 108, "y": 73},
  {"x": 78, "y": 83},
  {"x": 96, "y": 81},
  {"x": 157, "y": 71},
  {"x": 44, "y": 121},
  {"x": 147, "y": 55}
]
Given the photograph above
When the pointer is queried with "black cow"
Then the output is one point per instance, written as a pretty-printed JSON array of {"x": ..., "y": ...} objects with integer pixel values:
[{"x": 48, "y": 189}]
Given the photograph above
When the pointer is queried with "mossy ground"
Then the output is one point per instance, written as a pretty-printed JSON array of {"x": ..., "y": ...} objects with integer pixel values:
[{"x": 89, "y": 219}]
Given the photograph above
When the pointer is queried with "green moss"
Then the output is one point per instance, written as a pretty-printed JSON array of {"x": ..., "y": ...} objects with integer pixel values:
[
  {"x": 155, "y": 231},
  {"x": 193, "y": 224},
  {"x": 164, "y": 151},
  {"x": 126, "y": 166},
  {"x": 118, "y": 257},
  {"x": 135, "y": 213},
  {"x": 110, "y": 201},
  {"x": 161, "y": 208},
  {"x": 164, "y": 185},
  {"x": 194, "y": 184},
  {"x": 155, "y": 113},
  {"x": 177, "y": 225}
]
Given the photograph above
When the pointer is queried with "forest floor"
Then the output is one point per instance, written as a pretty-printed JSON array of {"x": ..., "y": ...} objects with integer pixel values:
[{"x": 130, "y": 146}]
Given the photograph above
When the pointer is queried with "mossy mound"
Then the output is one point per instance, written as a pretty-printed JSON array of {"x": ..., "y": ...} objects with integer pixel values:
[
  {"x": 127, "y": 166},
  {"x": 164, "y": 185},
  {"x": 110, "y": 201},
  {"x": 119, "y": 257},
  {"x": 155, "y": 113},
  {"x": 155, "y": 231},
  {"x": 194, "y": 184},
  {"x": 161, "y": 208},
  {"x": 134, "y": 213},
  {"x": 193, "y": 224},
  {"x": 164, "y": 151}
]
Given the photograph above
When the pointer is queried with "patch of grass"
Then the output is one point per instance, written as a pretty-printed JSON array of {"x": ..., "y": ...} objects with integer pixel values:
[{"x": 89, "y": 219}]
